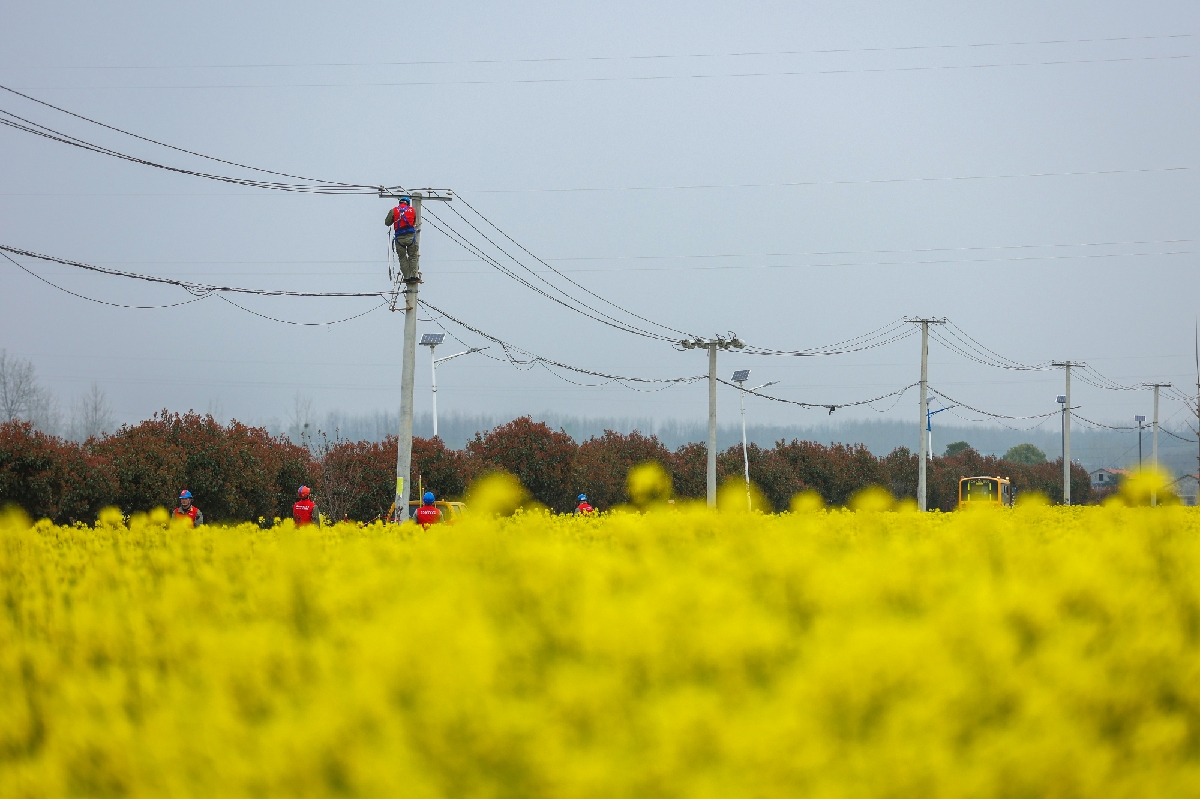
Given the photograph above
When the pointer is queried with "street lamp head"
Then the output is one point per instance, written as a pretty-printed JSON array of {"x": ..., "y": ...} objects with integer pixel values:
[
  {"x": 432, "y": 339},
  {"x": 741, "y": 375}
]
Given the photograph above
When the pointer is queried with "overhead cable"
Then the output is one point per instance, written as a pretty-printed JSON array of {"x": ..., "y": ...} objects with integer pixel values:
[
  {"x": 383, "y": 304},
  {"x": 643, "y": 78},
  {"x": 1174, "y": 435},
  {"x": 556, "y": 271},
  {"x": 1098, "y": 424},
  {"x": 830, "y": 406},
  {"x": 953, "y": 401},
  {"x": 1089, "y": 375},
  {"x": 532, "y": 359},
  {"x": 189, "y": 286},
  {"x": 811, "y": 183},
  {"x": 642, "y": 57},
  {"x": 198, "y": 296},
  {"x": 11, "y": 120},
  {"x": 30, "y": 272},
  {"x": 960, "y": 342},
  {"x": 889, "y": 333},
  {"x": 168, "y": 146},
  {"x": 573, "y": 305}
]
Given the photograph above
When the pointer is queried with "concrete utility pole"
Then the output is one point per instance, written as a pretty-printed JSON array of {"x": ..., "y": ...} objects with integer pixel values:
[
  {"x": 1066, "y": 436},
  {"x": 1154, "y": 446},
  {"x": 411, "y": 278},
  {"x": 922, "y": 478},
  {"x": 712, "y": 344}
]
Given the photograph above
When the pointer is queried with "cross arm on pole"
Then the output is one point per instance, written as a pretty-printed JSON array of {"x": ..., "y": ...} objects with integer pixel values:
[{"x": 396, "y": 192}]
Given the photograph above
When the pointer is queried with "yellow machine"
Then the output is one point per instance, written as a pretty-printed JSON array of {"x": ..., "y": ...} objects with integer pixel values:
[{"x": 975, "y": 492}]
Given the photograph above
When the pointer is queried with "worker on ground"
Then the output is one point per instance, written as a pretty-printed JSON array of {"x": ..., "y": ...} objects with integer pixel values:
[
  {"x": 583, "y": 506},
  {"x": 305, "y": 510},
  {"x": 403, "y": 221},
  {"x": 428, "y": 513},
  {"x": 187, "y": 510}
]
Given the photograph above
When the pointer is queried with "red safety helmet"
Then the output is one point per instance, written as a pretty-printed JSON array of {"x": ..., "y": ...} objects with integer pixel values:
[{"x": 304, "y": 491}]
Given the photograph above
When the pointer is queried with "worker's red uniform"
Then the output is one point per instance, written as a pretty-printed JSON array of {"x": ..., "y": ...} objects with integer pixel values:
[
  {"x": 427, "y": 515},
  {"x": 191, "y": 513},
  {"x": 305, "y": 511},
  {"x": 404, "y": 219},
  {"x": 583, "y": 507}
]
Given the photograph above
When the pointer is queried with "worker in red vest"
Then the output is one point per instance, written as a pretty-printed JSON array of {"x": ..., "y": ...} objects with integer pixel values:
[
  {"x": 428, "y": 513},
  {"x": 583, "y": 507},
  {"x": 187, "y": 510},
  {"x": 403, "y": 221},
  {"x": 305, "y": 510}
]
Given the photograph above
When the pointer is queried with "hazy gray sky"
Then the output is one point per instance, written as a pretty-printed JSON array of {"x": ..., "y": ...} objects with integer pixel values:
[{"x": 515, "y": 104}]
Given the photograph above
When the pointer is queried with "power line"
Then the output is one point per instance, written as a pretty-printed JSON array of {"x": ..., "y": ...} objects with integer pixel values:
[
  {"x": 569, "y": 303},
  {"x": 889, "y": 333},
  {"x": 194, "y": 288},
  {"x": 1181, "y": 438},
  {"x": 810, "y": 183},
  {"x": 961, "y": 343},
  {"x": 532, "y": 359},
  {"x": 830, "y": 406},
  {"x": 630, "y": 78},
  {"x": 197, "y": 298},
  {"x": 37, "y": 129},
  {"x": 303, "y": 324},
  {"x": 168, "y": 146},
  {"x": 1098, "y": 424},
  {"x": 660, "y": 56},
  {"x": 953, "y": 401},
  {"x": 556, "y": 271},
  {"x": 30, "y": 272}
]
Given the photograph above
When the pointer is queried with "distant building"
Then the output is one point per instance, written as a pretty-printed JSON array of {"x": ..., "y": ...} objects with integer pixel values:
[
  {"x": 1186, "y": 488},
  {"x": 1107, "y": 478}
]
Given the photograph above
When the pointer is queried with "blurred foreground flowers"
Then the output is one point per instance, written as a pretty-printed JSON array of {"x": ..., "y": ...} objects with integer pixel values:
[{"x": 1034, "y": 652}]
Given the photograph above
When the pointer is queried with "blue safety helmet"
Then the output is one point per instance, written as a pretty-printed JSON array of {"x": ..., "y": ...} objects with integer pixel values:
[
  {"x": 428, "y": 497},
  {"x": 186, "y": 494},
  {"x": 583, "y": 497},
  {"x": 405, "y": 200}
]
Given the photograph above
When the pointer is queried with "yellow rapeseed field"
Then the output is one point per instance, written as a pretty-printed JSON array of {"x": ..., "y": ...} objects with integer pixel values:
[{"x": 1035, "y": 652}]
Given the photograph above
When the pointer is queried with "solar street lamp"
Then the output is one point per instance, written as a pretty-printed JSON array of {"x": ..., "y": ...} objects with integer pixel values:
[
  {"x": 432, "y": 340},
  {"x": 1141, "y": 421},
  {"x": 929, "y": 430},
  {"x": 740, "y": 377},
  {"x": 1062, "y": 400}
]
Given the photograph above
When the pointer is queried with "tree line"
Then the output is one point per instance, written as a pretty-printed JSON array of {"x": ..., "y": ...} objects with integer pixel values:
[{"x": 240, "y": 473}]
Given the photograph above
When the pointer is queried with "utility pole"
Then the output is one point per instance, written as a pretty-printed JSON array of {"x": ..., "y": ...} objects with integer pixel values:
[
  {"x": 1154, "y": 446},
  {"x": 411, "y": 278},
  {"x": 712, "y": 345},
  {"x": 1066, "y": 435},
  {"x": 740, "y": 377},
  {"x": 922, "y": 478}
]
